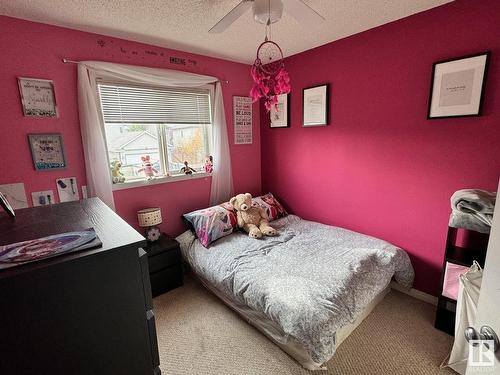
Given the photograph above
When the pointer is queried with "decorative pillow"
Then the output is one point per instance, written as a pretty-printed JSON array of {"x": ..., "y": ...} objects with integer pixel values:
[
  {"x": 212, "y": 223},
  {"x": 273, "y": 208}
]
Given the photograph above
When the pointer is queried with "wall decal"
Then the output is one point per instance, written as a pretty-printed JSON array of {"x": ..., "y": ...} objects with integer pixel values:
[{"x": 177, "y": 60}]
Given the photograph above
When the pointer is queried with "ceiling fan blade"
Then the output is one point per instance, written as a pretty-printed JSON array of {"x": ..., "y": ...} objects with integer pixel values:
[
  {"x": 232, "y": 16},
  {"x": 302, "y": 12}
]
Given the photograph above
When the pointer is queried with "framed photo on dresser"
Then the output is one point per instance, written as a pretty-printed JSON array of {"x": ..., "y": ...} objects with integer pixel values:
[{"x": 457, "y": 86}]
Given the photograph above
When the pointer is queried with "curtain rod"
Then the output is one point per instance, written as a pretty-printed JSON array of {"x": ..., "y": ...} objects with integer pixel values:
[{"x": 66, "y": 61}]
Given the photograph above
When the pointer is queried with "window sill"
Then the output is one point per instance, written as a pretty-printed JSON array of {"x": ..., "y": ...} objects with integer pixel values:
[{"x": 160, "y": 180}]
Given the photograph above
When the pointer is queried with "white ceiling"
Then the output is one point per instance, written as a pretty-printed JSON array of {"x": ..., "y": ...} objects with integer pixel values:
[{"x": 184, "y": 24}]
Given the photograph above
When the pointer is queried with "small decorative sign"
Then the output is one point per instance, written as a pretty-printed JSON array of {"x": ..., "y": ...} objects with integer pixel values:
[
  {"x": 47, "y": 151},
  {"x": 37, "y": 97},
  {"x": 242, "y": 117}
]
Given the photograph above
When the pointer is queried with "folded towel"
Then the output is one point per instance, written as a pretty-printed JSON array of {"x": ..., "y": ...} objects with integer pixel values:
[
  {"x": 472, "y": 209},
  {"x": 467, "y": 221}
]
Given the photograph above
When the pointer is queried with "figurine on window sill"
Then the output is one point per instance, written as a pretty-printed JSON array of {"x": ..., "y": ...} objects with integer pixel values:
[
  {"x": 187, "y": 169},
  {"x": 209, "y": 164},
  {"x": 147, "y": 168},
  {"x": 116, "y": 173}
]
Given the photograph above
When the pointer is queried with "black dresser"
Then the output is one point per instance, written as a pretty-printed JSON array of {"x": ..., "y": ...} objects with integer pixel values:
[
  {"x": 87, "y": 312},
  {"x": 165, "y": 265}
]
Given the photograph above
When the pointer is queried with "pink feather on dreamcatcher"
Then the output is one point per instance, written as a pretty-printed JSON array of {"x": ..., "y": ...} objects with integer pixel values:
[{"x": 269, "y": 75}]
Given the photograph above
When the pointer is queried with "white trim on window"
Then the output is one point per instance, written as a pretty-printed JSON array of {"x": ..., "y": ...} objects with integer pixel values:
[
  {"x": 163, "y": 178},
  {"x": 160, "y": 180}
]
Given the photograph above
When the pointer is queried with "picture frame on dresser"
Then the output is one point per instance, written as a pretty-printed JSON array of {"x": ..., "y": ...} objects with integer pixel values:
[
  {"x": 458, "y": 86},
  {"x": 316, "y": 105}
]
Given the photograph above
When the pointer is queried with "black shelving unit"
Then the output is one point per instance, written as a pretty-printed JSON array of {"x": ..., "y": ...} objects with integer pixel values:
[{"x": 464, "y": 256}]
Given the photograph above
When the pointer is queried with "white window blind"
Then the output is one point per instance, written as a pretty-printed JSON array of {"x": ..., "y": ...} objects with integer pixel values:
[{"x": 129, "y": 104}]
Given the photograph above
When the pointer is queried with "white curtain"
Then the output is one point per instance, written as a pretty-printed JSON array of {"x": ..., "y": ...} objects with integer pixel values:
[
  {"x": 92, "y": 126},
  {"x": 466, "y": 313}
]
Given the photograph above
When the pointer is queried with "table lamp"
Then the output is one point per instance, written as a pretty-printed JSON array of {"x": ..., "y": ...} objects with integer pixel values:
[{"x": 149, "y": 218}]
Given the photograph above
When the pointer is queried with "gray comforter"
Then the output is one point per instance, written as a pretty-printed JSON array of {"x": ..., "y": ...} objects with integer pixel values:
[{"x": 310, "y": 280}]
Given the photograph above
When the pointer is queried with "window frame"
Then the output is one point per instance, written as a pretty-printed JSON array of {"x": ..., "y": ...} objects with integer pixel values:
[{"x": 162, "y": 144}]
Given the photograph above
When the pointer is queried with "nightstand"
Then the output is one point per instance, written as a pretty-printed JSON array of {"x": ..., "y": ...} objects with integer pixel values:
[{"x": 165, "y": 265}]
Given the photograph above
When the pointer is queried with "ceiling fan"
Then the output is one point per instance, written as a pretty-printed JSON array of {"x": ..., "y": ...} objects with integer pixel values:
[{"x": 268, "y": 12}]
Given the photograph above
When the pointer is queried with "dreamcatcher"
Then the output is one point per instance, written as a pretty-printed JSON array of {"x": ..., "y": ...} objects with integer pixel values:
[{"x": 268, "y": 72}]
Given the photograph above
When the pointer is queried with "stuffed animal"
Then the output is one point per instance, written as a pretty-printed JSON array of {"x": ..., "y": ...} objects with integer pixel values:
[
  {"x": 209, "y": 164},
  {"x": 116, "y": 174},
  {"x": 187, "y": 169},
  {"x": 252, "y": 219},
  {"x": 147, "y": 168}
]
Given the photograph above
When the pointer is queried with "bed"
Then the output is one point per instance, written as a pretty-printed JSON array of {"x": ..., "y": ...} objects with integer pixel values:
[{"x": 305, "y": 289}]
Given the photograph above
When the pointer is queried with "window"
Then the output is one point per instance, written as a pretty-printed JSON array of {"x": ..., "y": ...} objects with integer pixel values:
[{"x": 170, "y": 125}]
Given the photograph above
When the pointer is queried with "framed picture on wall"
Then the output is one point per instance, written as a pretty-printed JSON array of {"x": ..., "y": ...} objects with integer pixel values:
[
  {"x": 315, "y": 105},
  {"x": 37, "y": 97},
  {"x": 242, "y": 119},
  {"x": 47, "y": 151},
  {"x": 280, "y": 113},
  {"x": 457, "y": 86}
]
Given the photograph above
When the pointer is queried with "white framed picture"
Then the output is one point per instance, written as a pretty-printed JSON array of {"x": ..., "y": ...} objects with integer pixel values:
[
  {"x": 315, "y": 105},
  {"x": 280, "y": 113},
  {"x": 37, "y": 97},
  {"x": 457, "y": 86}
]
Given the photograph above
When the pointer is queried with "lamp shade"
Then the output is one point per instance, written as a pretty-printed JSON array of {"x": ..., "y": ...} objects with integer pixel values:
[{"x": 149, "y": 217}]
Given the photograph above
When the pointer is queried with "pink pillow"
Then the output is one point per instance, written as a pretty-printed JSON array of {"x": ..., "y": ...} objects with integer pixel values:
[
  {"x": 212, "y": 223},
  {"x": 273, "y": 208},
  {"x": 451, "y": 279}
]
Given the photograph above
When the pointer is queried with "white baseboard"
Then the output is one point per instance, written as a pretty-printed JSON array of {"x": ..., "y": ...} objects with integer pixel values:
[{"x": 415, "y": 293}]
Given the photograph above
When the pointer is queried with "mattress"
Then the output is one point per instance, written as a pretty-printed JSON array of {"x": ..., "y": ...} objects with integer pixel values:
[{"x": 301, "y": 287}]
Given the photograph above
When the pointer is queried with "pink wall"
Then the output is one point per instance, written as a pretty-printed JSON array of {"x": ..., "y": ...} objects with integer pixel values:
[
  {"x": 35, "y": 50},
  {"x": 380, "y": 167}
]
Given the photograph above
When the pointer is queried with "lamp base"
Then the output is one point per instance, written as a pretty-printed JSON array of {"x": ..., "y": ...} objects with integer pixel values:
[{"x": 152, "y": 234}]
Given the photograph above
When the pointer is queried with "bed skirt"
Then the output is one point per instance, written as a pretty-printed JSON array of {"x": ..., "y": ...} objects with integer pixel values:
[{"x": 286, "y": 342}]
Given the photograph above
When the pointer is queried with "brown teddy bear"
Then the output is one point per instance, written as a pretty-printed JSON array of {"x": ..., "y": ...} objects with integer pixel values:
[{"x": 252, "y": 219}]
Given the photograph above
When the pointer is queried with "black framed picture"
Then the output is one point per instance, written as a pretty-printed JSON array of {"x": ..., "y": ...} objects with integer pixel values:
[
  {"x": 280, "y": 113},
  {"x": 315, "y": 105},
  {"x": 47, "y": 151},
  {"x": 457, "y": 86}
]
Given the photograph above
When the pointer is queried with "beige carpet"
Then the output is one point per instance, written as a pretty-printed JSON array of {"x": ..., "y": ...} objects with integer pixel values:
[{"x": 198, "y": 334}]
